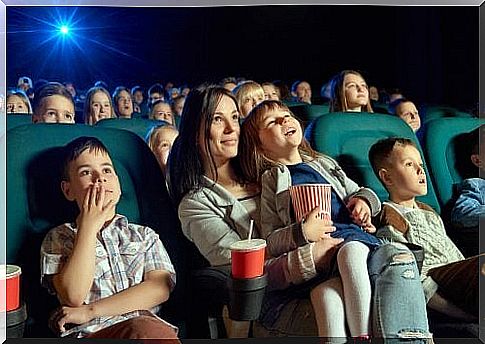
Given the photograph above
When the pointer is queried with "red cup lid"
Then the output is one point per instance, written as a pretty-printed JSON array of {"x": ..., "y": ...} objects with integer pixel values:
[
  {"x": 248, "y": 245},
  {"x": 8, "y": 271}
]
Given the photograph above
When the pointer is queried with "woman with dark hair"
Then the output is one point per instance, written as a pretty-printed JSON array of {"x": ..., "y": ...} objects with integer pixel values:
[
  {"x": 349, "y": 93},
  {"x": 204, "y": 179},
  {"x": 215, "y": 203}
]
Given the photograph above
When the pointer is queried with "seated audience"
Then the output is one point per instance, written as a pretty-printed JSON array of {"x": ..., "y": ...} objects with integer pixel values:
[
  {"x": 470, "y": 205},
  {"x": 349, "y": 93},
  {"x": 162, "y": 111},
  {"x": 53, "y": 104},
  {"x": 450, "y": 281},
  {"x": 155, "y": 92},
  {"x": 160, "y": 140},
  {"x": 301, "y": 91},
  {"x": 270, "y": 91},
  {"x": 248, "y": 94},
  {"x": 24, "y": 83},
  {"x": 103, "y": 292},
  {"x": 18, "y": 102},
  {"x": 229, "y": 83},
  {"x": 140, "y": 106},
  {"x": 282, "y": 90},
  {"x": 408, "y": 112},
  {"x": 122, "y": 102},
  {"x": 97, "y": 105}
]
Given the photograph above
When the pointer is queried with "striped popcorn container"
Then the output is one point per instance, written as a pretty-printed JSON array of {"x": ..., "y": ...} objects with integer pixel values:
[{"x": 305, "y": 197}]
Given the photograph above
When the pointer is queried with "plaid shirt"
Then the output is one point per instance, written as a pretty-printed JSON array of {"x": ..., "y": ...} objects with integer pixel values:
[{"x": 124, "y": 253}]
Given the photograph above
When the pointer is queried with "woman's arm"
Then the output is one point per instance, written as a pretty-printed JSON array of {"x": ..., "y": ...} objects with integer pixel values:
[{"x": 203, "y": 223}]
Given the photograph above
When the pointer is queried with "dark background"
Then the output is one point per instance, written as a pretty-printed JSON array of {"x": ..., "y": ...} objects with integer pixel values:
[{"x": 430, "y": 53}]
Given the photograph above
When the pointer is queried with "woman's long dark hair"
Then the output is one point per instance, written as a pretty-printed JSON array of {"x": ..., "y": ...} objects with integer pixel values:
[{"x": 185, "y": 163}]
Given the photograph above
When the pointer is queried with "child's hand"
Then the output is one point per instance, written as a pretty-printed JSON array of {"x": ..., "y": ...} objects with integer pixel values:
[
  {"x": 315, "y": 227},
  {"x": 359, "y": 211},
  {"x": 95, "y": 211},
  {"x": 69, "y": 315},
  {"x": 369, "y": 227}
]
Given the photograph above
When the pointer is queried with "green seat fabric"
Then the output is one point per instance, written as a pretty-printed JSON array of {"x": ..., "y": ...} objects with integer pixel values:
[
  {"x": 18, "y": 119},
  {"x": 308, "y": 112},
  {"x": 435, "y": 112},
  {"x": 347, "y": 137},
  {"x": 139, "y": 126},
  {"x": 36, "y": 204},
  {"x": 446, "y": 153}
]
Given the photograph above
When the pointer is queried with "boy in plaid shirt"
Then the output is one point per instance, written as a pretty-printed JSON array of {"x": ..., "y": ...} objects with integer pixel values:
[{"x": 109, "y": 275}]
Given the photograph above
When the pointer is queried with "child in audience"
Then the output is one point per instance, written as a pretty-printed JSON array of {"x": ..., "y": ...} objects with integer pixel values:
[
  {"x": 140, "y": 106},
  {"x": 407, "y": 111},
  {"x": 270, "y": 91},
  {"x": 450, "y": 282},
  {"x": 248, "y": 94},
  {"x": 470, "y": 205},
  {"x": 275, "y": 154},
  {"x": 53, "y": 104},
  {"x": 162, "y": 111},
  {"x": 178, "y": 105},
  {"x": 18, "y": 102},
  {"x": 229, "y": 83},
  {"x": 301, "y": 91},
  {"x": 155, "y": 92},
  {"x": 97, "y": 105},
  {"x": 123, "y": 103},
  {"x": 349, "y": 93},
  {"x": 109, "y": 275},
  {"x": 160, "y": 140}
]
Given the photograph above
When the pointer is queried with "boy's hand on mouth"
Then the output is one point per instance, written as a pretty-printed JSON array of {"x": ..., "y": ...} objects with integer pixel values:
[{"x": 96, "y": 210}]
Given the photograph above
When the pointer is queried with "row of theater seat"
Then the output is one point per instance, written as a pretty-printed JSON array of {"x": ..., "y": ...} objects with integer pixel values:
[
  {"x": 308, "y": 113},
  {"x": 35, "y": 203},
  {"x": 347, "y": 137}
]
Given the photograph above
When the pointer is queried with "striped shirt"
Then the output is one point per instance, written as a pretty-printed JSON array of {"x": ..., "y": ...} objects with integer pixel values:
[{"x": 124, "y": 253}]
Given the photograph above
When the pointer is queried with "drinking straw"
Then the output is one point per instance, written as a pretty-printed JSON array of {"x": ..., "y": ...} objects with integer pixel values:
[{"x": 251, "y": 225}]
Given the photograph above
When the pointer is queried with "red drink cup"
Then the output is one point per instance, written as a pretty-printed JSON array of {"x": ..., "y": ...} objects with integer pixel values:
[
  {"x": 305, "y": 197},
  {"x": 10, "y": 284},
  {"x": 248, "y": 258}
]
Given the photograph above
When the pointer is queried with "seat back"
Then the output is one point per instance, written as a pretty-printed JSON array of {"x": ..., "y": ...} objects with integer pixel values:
[
  {"x": 447, "y": 153},
  {"x": 309, "y": 112},
  {"x": 36, "y": 204},
  {"x": 14, "y": 120},
  {"x": 139, "y": 126},
  {"x": 347, "y": 137},
  {"x": 438, "y": 111}
]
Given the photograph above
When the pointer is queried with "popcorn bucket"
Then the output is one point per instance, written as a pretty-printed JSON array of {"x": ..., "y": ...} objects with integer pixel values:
[{"x": 305, "y": 197}]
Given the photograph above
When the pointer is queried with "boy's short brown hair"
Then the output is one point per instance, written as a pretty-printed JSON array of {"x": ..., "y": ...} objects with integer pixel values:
[
  {"x": 76, "y": 147},
  {"x": 380, "y": 151}
]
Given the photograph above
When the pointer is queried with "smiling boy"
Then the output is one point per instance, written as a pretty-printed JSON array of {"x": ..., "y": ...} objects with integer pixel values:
[
  {"x": 109, "y": 275},
  {"x": 449, "y": 280}
]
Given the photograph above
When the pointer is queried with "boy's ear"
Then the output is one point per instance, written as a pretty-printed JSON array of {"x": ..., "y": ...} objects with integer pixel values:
[
  {"x": 475, "y": 159},
  {"x": 385, "y": 177},
  {"x": 66, "y": 190}
]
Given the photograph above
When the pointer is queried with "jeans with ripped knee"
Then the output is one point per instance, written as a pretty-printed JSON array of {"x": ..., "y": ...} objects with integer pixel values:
[{"x": 399, "y": 306}]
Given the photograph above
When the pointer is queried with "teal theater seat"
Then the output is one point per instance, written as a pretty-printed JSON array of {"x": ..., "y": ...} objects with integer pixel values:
[
  {"x": 307, "y": 112},
  {"x": 445, "y": 151},
  {"x": 17, "y": 119},
  {"x": 139, "y": 126},
  {"x": 36, "y": 204},
  {"x": 347, "y": 137},
  {"x": 439, "y": 111}
]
